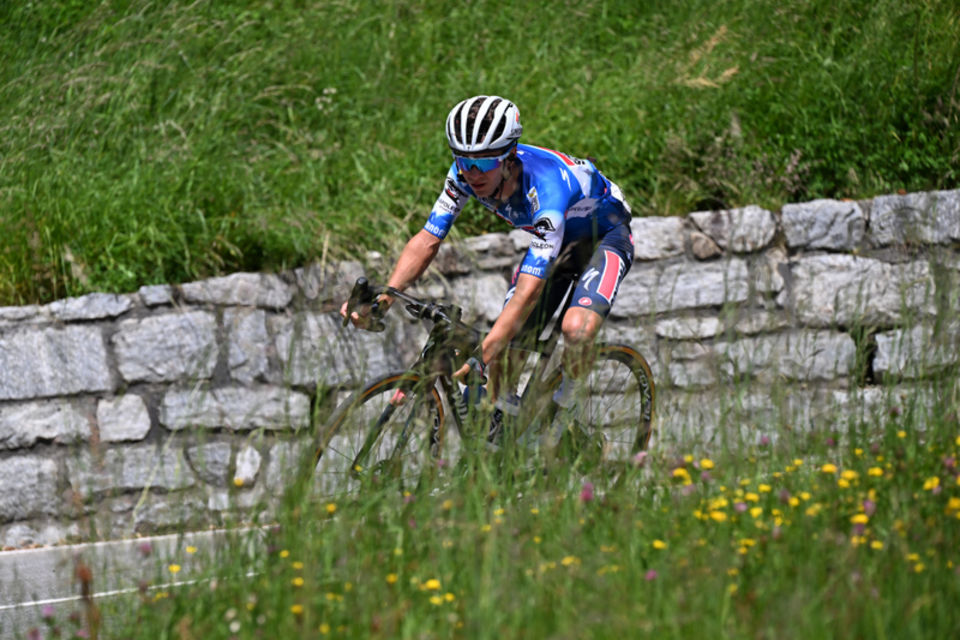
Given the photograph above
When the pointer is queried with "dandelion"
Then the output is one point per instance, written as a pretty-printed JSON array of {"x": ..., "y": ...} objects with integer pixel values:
[
  {"x": 449, "y": 597},
  {"x": 875, "y": 472},
  {"x": 297, "y": 582},
  {"x": 297, "y": 609},
  {"x": 191, "y": 549},
  {"x": 297, "y": 565},
  {"x": 447, "y": 505},
  {"x": 570, "y": 560},
  {"x": 756, "y": 512},
  {"x": 174, "y": 569},
  {"x": 843, "y": 483},
  {"x": 860, "y": 518},
  {"x": 706, "y": 463},
  {"x": 751, "y": 497},
  {"x": 718, "y": 516},
  {"x": 849, "y": 474},
  {"x": 919, "y": 567},
  {"x": 324, "y": 628},
  {"x": 659, "y": 544},
  {"x": 284, "y": 553},
  {"x": 331, "y": 507},
  {"x": 931, "y": 483},
  {"x": 534, "y": 511},
  {"x": 238, "y": 482},
  {"x": 537, "y": 539},
  {"x": 391, "y": 578},
  {"x": 431, "y": 585},
  {"x": 829, "y": 468},
  {"x": 876, "y": 545},
  {"x": 436, "y": 600},
  {"x": 901, "y": 434},
  {"x": 764, "y": 488}
]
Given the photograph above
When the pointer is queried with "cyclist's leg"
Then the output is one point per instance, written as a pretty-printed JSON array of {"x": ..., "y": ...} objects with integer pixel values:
[{"x": 593, "y": 297}]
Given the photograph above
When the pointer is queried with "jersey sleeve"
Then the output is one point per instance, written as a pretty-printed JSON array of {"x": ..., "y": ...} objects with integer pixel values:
[
  {"x": 545, "y": 245},
  {"x": 447, "y": 207}
]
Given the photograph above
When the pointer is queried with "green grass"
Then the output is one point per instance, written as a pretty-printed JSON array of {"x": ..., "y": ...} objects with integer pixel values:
[
  {"x": 146, "y": 143},
  {"x": 846, "y": 532}
]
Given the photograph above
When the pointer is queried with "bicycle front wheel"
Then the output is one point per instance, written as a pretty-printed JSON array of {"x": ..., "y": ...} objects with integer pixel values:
[
  {"x": 393, "y": 429},
  {"x": 617, "y": 401}
]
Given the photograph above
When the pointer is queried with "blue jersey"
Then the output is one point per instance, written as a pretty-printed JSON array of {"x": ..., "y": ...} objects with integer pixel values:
[{"x": 560, "y": 200}]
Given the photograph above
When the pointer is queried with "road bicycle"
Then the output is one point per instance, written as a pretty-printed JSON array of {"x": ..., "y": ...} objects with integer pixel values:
[{"x": 398, "y": 425}]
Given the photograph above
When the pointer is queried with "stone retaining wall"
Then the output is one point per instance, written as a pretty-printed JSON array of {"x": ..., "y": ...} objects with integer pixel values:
[{"x": 185, "y": 404}]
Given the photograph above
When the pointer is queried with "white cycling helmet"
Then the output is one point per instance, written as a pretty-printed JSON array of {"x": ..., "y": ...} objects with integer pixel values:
[{"x": 483, "y": 123}]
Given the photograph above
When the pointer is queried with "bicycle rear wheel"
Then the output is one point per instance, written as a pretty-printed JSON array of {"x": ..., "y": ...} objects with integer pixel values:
[
  {"x": 616, "y": 407},
  {"x": 393, "y": 429}
]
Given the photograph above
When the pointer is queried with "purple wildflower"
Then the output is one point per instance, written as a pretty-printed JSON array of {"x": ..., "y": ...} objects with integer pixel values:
[
  {"x": 650, "y": 575},
  {"x": 586, "y": 493},
  {"x": 740, "y": 507}
]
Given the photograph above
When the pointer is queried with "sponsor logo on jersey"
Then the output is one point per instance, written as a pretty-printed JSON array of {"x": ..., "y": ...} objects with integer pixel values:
[
  {"x": 534, "y": 200},
  {"x": 543, "y": 226},
  {"x": 585, "y": 301},
  {"x": 452, "y": 190}
]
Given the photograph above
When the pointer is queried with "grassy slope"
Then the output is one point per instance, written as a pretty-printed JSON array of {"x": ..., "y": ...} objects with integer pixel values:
[{"x": 145, "y": 143}]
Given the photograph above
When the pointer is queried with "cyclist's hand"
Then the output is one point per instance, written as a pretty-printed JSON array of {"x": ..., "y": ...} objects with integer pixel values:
[
  {"x": 361, "y": 316},
  {"x": 472, "y": 366}
]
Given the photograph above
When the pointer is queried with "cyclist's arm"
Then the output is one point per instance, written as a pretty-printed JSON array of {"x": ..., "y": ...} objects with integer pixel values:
[
  {"x": 514, "y": 314},
  {"x": 417, "y": 255}
]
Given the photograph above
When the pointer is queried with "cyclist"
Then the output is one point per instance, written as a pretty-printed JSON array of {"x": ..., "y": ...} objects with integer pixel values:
[{"x": 580, "y": 225}]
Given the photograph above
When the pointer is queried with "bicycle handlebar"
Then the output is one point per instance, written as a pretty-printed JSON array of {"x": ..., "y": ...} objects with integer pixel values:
[{"x": 366, "y": 293}]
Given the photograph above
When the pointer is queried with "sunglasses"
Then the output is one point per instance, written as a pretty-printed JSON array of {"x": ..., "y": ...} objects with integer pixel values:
[{"x": 464, "y": 164}]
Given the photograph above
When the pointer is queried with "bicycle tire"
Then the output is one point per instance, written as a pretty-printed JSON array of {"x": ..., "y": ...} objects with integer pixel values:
[
  {"x": 619, "y": 398},
  {"x": 393, "y": 427}
]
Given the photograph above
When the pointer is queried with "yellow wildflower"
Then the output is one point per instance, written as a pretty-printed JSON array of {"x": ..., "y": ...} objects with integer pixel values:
[
  {"x": 931, "y": 483},
  {"x": 297, "y": 582},
  {"x": 191, "y": 549},
  {"x": 706, "y": 463},
  {"x": 436, "y": 600},
  {"x": 659, "y": 544},
  {"x": 718, "y": 516},
  {"x": 569, "y": 560},
  {"x": 391, "y": 578},
  {"x": 876, "y": 472},
  {"x": 756, "y": 512},
  {"x": 174, "y": 569},
  {"x": 829, "y": 468},
  {"x": 849, "y": 474},
  {"x": 431, "y": 585},
  {"x": 331, "y": 507},
  {"x": 860, "y": 518},
  {"x": 296, "y": 609},
  {"x": 876, "y": 544},
  {"x": 764, "y": 488},
  {"x": 901, "y": 434}
]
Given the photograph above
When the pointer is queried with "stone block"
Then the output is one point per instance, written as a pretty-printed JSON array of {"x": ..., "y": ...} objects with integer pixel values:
[
  {"x": 247, "y": 344},
  {"x": 824, "y": 224},
  {"x": 240, "y": 289},
  {"x": 23, "y": 424},
  {"x": 649, "y": 290},
  {"x": 739, "y": 230},
  {"x": 94, "y": 306},
  {"x": 211, "y": 462},
  {"x": 248, "y": 466},
  {"x": 123, "y": 419},
  {"x": 38, "y": 363},
  {"x": 124, "y": 468},
  {"x": 657, "y": 238},
  {"x": 235, "y": 408},
  {"x": 915, "y": 218},
  {"x": 28, "y": 488},
  {"x": 167, "y": 347},
  {"x": 844, "y": 289},
  {"x": 918, "y": 351}
]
